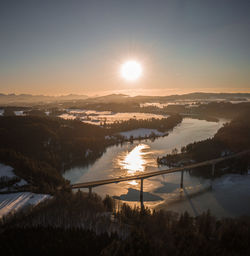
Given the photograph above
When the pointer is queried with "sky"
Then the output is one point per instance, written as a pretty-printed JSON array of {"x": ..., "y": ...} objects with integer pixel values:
[{"x": 57, "y": 47}]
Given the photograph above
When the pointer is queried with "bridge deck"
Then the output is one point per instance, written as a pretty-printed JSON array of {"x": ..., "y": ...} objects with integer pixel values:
[{"x": 156, "y": 173}]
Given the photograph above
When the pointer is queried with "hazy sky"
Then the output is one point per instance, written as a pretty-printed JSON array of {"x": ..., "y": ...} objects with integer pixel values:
[{"x": 59, "y": 47}]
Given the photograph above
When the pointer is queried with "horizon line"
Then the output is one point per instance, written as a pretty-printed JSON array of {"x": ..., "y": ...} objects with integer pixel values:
[{"x": 118, "y": 93}]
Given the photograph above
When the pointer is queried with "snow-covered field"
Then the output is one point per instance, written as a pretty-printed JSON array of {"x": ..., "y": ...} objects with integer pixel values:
[
  {"x": 191, "y": 103},
  {"x": 96, "y": 117},
  {"x": 141, "y": 132},
  {"x": 67, "y": 116},
  {"x": 16, "y": 201}
]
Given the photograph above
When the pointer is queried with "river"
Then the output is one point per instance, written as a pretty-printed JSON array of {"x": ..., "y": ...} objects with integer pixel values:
[{"x": 163, "y": 192}]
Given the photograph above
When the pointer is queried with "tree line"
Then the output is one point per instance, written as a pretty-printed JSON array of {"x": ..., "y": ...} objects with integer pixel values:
[{"x": 162, "y": 125}]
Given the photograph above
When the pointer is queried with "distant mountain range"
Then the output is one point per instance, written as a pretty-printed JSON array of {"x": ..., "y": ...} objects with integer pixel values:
[
  {"x": 121, "y": 98},
  {"x": 11, "y": 99},
  {"x": 16, "y": 99}
]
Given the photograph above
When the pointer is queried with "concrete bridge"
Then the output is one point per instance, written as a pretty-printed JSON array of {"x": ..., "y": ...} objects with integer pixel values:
[{"x": 213, "y": 162}]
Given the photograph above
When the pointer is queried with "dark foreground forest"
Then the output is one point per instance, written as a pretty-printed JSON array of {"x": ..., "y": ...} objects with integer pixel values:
[{"x": 75, "y": 223}]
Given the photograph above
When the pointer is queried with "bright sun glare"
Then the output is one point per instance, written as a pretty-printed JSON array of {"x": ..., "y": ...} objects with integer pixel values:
[
  {"x": 131, "y": 70},
  {"x": 134, "y": 161}
]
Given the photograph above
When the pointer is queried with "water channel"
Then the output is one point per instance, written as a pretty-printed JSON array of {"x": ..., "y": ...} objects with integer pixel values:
[{"x": 221, "y": 195}]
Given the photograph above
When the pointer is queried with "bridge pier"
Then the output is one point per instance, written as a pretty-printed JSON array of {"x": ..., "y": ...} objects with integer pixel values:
[
  {"x": 182, "y": 174},
  {"x": 141, "y": 195},
  {"x": 90, "y": 191}
]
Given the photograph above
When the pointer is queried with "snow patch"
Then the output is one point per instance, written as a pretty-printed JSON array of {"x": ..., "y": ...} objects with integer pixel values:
[
  {"x": 88, "y": 152},
  {"x": 231, "y": 180},
  {"x": 107, "y": 137},
  {"x": 7, "y": 171},
  {"x": 142, "y": 132},
  {"x": 19, "y": 113},
  {"x": 67, "y": 116},
  {"x": 21, "y": 183},
  {"x": 225, "y": 153},
  {"x": 16, "y": 201}
]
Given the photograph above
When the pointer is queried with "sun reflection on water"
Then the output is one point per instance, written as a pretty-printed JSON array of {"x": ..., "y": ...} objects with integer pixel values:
[
  {"x": 133, "y": 182},
  {"x": 134, "y": 161}
]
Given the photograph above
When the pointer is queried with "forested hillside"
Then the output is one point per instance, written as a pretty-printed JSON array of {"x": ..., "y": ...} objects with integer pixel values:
[
  {"x": 39, "y": 148},
  {"x": 231, "y": 138}
]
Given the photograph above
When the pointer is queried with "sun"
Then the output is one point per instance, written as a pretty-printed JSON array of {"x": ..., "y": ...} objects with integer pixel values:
[{"x": 131, "y": 70}]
